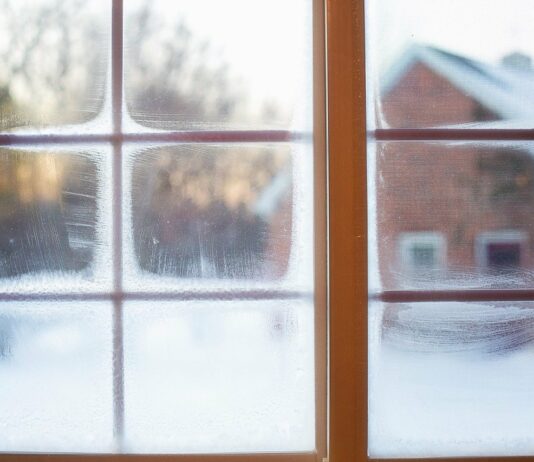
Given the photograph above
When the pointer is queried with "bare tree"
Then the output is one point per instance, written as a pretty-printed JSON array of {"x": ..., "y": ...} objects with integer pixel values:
[
  {"x": 175, "y": 77},
  {"x": 55, "y": 67},
  {"x": 54, "y": 72},
  {"x": 53, "y": 62}
]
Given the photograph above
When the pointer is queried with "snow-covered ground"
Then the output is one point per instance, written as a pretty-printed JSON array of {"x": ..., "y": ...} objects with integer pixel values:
[
  {"x": 199, "y": 377},
  {"x": 55, "y": 378},
  {"x": 429, "y": 397},
  {"x": 227, "y": 376}
]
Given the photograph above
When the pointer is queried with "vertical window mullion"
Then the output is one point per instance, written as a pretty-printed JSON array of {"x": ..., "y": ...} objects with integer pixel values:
[{"x": 117, "y": 21}]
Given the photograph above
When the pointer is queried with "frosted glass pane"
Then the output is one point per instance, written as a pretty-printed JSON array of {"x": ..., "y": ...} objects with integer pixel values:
[
  {"x": 212, "y": 212},
  {"x": 52, "y": 221},
  {"x": 429, "y": 64},
  {"x": 55, "y": 377},
  {"x": 208, "y": 64},
  {"x": 54, "y": 59},
  {"x": 453, "y": 215},
  {"x": 219, "y": 376},
  {"x": 451, "y": 379},
  {"x": 206, "y": 215}
]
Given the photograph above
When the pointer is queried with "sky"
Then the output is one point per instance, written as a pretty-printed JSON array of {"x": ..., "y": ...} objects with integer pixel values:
[
  {"x": 481, "y": 29},
  {"x": 266, "y": 43}
]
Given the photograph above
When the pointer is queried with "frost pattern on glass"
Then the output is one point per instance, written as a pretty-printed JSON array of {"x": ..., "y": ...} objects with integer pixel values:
[
  {"x": 52, "y": 220},
  {"x": 219, "y": 216},
  {"x": 205, "y": 377},
  {"x": 55, "y": 377},
  {"x": 212, "y": 213},
  {"x": 454, "y": 215},
  {"x": 200, "y": 376},
  {"x": 428, "y": 63},
  {"x": 54, "y": 59},
  {"x": 185, "y": 69},
  {"x": 451, "y": 379}
]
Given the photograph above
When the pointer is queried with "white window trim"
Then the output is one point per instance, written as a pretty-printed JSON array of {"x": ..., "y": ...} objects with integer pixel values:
[{"x": 407, "y": 240}]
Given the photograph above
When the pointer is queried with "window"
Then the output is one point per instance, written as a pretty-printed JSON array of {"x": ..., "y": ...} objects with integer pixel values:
[
  {"x": 422, "y": 251},
  {"x": 448, "y": 352},
  {"x": 501, "y": 251},
  {"x": 162, "y": 229}
]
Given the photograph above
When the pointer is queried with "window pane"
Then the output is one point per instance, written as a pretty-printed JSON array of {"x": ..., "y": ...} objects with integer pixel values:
[
  {"x": 453, "y": 215},
  {"x": 451, "y": 379},
  {"x": 219, "y": 376},
  {"x": 55, "y": 377},
  {"x": 429, "y": 63},
  {"x": 208, "y": 64},
  {"x": 52, "y": 235},
  {"x": 207, "y": 215},
  {"x": 54, "y": 59}
]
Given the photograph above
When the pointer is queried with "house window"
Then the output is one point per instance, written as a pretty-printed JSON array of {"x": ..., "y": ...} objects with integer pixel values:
[
  {"x": 422, "y": 251},
  {"x": 503, "y": 255},
  {"x": 162, "y": 229},
  {"x": 501, "y": 251}
]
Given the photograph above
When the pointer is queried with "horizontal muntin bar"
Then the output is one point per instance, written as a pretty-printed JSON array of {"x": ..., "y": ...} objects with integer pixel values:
[
  {"x": 212, "y": 136},
  {"x": 125, "y": 457},
  {"x": 463, "y": 295},
  {"x": 216, "y": 295},
  {"x": 451, "y": 134}
]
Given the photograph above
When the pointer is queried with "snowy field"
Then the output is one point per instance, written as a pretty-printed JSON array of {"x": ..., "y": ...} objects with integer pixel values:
[
  {"x": 466, "y": 390},
  {"x": 55, "y": 377},
  {"x": 199, "y": 377}
]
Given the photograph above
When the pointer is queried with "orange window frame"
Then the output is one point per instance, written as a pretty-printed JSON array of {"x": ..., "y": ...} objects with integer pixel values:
[
  {"x": 347, "y": 231},
  {"x": 348, "y": 290}
]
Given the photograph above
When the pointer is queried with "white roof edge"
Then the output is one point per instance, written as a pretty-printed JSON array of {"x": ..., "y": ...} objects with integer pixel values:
[{"x": 501, "y": 102}]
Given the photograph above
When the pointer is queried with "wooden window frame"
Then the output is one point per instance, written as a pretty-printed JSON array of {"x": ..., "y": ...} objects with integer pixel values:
[
  {"x": 347, "y": 231},
  {"x": 348, "y": 273}
]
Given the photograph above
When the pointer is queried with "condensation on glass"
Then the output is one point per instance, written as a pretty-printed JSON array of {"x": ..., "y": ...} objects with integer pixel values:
[
  {"x": 429, "y": 64},
  {"x": 451, "y": 379},
  {"x": 53, "y": 222},
  {"x": 212, "y": 212},
  {"x": 54, "y": 64},
  {"x": 454, "y": 215},
  {"x": 214, "y": 216},
  {"x": 212, "y": 376},
  {"x": 450, "y": 220},
  {"x": 55, "y": 393},
  {"x": 172, "y": 228},
  {"x": 186, "y": 68}
]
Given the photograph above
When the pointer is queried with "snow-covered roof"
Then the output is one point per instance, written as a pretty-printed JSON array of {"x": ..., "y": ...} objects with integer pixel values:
[
  {"x": 271, "y": 196},
  {"x": 505, "y": 90}
]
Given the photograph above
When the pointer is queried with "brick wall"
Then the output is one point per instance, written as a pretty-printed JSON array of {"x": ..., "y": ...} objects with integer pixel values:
[
  {"x": 459, "y": 190},
  {"x": 423, "y": 98}
]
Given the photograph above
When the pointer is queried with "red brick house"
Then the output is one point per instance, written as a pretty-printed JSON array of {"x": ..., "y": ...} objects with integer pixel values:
[{"x": 455, "y": 213}]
